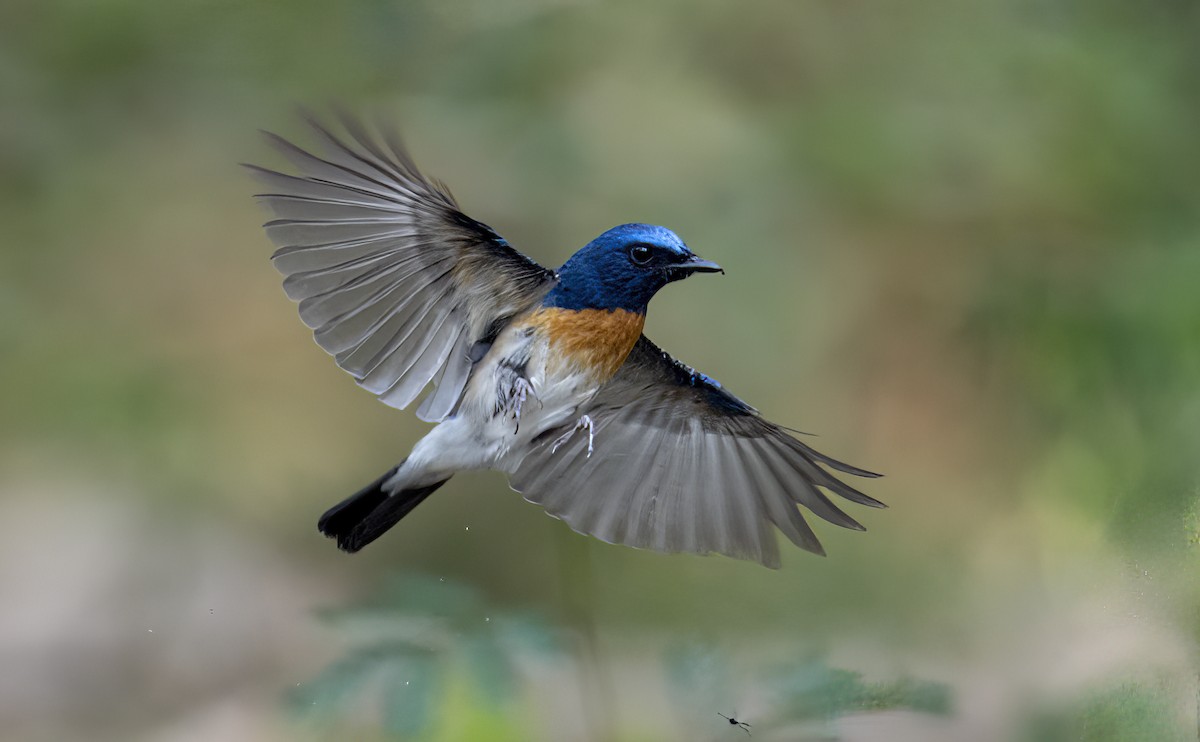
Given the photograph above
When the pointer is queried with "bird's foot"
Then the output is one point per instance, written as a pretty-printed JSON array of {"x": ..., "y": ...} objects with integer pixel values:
[
  {"x": 521, "y": 389},
  {"x": 585, "y": 423}
]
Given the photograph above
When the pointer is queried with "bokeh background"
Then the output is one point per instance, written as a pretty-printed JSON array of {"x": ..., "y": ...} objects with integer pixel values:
[{"x": 962, "y": 246}]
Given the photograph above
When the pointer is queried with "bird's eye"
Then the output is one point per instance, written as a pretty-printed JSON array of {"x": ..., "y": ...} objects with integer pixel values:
[{"x": 640, "y": 254}]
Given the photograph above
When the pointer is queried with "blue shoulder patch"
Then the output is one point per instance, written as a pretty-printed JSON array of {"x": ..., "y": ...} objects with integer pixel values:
[{"x": 715, "y": 393}]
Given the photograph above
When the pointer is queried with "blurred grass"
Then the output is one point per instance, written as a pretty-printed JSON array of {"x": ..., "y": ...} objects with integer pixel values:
[
  {"x": 1125, "y": 712},
  {"x": 961, "y": 241}
]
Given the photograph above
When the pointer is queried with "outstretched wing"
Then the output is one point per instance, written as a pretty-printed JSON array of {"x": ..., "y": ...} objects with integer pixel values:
[
  {"x": 681, "y": 465},
  {"x": 396, "y": 283}
]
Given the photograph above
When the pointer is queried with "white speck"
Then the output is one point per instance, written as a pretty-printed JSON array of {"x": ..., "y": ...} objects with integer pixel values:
[
  {"x": 150, "y": 630},
  {"x": 406, "y": 682},
  {"x": 441, "y": 579},
  {"x": 467, "y": 528},
  {"x": 486, "y": 619}
]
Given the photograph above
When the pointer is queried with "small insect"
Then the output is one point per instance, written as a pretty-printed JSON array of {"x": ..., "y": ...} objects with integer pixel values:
[{"x": 734, "y": 722}]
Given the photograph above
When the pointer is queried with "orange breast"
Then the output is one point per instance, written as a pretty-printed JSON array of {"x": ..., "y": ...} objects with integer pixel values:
[{"x": 598, "y": 340}]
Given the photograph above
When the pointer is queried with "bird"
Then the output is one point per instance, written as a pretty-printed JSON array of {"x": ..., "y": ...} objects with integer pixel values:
[{"x": 544, "y": 375}]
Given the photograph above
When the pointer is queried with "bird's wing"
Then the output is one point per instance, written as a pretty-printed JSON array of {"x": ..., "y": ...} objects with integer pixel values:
[
  {"x": 396, "y": 283},
  {"x": 681, "y": 465}
]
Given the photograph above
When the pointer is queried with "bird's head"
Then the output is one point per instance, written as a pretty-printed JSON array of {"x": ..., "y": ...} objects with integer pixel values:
[{"x": 623, "y": 269}]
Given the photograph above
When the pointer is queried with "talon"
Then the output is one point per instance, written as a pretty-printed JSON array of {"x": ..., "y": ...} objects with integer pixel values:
[
  {"x": 520, "y": 392},
  {"x": 585, "y": 423},
  {"x": 561, "y": 440}
]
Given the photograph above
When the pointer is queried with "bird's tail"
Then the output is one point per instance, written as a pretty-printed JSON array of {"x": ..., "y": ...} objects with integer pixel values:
[{"x": 369, "y": 513}]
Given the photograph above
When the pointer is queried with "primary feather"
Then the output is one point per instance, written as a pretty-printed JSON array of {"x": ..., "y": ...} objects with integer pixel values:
[
  {"x": 395, "y": 281},
  {"x": 687, "y": 467}
]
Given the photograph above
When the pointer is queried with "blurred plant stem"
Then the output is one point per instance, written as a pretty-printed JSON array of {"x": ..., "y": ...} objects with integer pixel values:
[{"x": 579, "y": 607}]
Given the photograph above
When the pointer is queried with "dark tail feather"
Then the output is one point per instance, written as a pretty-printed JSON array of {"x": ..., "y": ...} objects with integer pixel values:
[{"x": 367, "y": 514}]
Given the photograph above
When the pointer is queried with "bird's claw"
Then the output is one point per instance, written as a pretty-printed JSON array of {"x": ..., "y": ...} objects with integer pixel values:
[
  {"x": 521, "y": 389},
  {"x": 585, "y": 423}
]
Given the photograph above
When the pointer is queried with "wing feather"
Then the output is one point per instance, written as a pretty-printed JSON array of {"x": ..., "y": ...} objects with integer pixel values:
[
  {"x": 682, "y": 465},
  {"x": 394, "y": 280},
  {"x": 450, "y": 381},
  {"x": 779, "y": 508},
  {"x": 389, "y": 366},
  {"x": 434, "y": 351}
]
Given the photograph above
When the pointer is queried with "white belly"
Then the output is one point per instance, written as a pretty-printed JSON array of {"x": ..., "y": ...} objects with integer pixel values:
[{"x": 492, "y": 431}]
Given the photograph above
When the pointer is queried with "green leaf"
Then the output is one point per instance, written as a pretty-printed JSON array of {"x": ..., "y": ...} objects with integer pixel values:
[
  {"x": 491, "y": 669},
  {"x": 524, "y": 634},
  {"x": 698, "y": 675},
  {"x": 814, "y": 690},
  {"x": 410, "y": 692},
  {"x": 327, "y": 694}
]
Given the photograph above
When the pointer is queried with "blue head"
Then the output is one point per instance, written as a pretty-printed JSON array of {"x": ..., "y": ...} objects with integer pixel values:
[{"x": 623, "y": 269}]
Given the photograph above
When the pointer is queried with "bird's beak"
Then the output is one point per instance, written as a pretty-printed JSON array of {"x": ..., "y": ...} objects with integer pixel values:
[{"x": 696, "y": 264}]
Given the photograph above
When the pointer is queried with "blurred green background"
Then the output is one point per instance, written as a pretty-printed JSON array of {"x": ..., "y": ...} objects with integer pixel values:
[{"x": 962, "y": 246}]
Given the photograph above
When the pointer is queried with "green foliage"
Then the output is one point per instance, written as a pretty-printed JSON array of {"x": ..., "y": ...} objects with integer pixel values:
[
  {"x": 811, "y": 689},
  {"x": 410, "y": 692},
  {"x": 1125, "y": 713},
  {"x": 408, "y": 640},
  {"x": 698, "y": 675},
  {"x": 805, "y": 690}
]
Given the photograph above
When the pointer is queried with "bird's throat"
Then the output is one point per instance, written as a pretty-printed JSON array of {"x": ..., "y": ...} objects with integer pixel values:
[{"x": 593, "y": 340}]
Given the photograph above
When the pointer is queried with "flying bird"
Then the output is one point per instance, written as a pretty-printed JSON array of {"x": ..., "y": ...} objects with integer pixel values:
[{"x": 542, "y": 374}]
